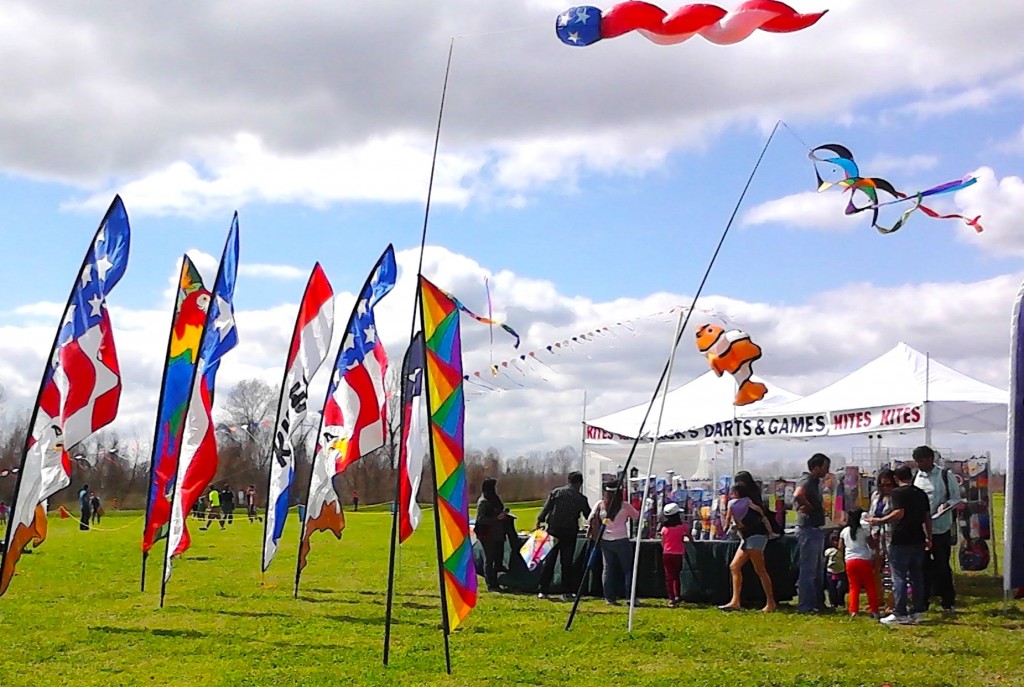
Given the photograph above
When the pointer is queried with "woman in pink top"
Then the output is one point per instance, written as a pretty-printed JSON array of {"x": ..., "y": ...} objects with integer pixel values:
[
  {"x": 616, "y": 549},
  {"x": 673, "y": 530}
]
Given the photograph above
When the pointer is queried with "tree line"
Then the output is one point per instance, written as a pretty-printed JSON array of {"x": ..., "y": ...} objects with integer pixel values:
[{"x": 116, "y": 467}]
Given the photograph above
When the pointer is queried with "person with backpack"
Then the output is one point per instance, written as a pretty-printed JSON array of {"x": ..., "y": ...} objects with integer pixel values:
[
  {"x": 943, "y": 496},
  {"x": 746, "y": 511}
]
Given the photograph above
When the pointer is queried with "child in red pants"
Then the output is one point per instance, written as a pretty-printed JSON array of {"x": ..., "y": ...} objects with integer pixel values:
[
  {"x": 673, "y": 532},
  {"x": 859, "y": 547}
]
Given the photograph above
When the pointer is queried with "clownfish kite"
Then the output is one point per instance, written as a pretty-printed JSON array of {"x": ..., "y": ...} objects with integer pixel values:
[
  {"x": 841, "y": 157},
  {"x": 733, "y": 352}
]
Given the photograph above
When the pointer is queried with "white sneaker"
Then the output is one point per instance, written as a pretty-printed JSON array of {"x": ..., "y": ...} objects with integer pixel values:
[
  {"x": 892, "y": 619},
  {"x": 542, "y": 595}
]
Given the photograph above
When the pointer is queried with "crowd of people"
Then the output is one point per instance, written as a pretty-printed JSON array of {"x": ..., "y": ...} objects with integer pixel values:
[
  {"x": 219, "y": 505},
  {"x": 897, "y": 553}
]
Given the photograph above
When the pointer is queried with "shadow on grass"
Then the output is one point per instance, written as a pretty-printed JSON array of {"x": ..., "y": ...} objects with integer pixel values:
[
  {"x": 188, "y": 634},
  {"x": 379, "y": 622},
  {"x": 255, "y": 614}
]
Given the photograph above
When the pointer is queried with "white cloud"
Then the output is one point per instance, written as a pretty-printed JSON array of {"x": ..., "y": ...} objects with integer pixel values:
[
  {"x": 257, "y": 108},
  {"x": 536, "y": 404},
  {"x": 272, "y": 271},
  {"x": 882, "y": 164},
  {"x": 806, "y": 210},
  {"x": 1000, "y": 202}
]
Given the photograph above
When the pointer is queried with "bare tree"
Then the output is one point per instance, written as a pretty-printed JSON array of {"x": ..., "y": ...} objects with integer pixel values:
[{"x": 248, "y": 410}]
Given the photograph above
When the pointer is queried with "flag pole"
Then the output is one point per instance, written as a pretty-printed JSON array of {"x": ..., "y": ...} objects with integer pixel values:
[
  {"x": 433, "y": 469},
  {"x": 156, "y": 426},
  {"x": 11, "y": 520},
  {"x": 650, "y": 468},
  {"x": 665, "y": 369},
  {"x": 397, "y": 463},
  {"x": 437, "y": 514},
  {"x": 309, "y": 485}
]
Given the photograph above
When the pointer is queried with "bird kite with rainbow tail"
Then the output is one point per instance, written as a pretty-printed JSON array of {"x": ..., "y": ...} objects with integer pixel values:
[
  {"x": 839, "y": 159},
  {"x": 585, "y": 25}
]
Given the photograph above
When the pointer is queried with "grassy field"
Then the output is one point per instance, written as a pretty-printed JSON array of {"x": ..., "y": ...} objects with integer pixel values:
[{"x": 75, "y": 616}]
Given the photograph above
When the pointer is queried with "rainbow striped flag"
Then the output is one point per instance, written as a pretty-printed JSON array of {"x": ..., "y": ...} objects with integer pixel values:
[{"x": 446, "y": 408}]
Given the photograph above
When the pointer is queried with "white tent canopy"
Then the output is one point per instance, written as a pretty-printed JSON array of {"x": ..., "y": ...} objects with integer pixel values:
[
  {"x": 705, "y": 400},
  {"x": 902, "y": 389}
]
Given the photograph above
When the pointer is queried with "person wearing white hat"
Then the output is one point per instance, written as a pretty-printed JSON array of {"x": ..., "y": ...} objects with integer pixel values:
[{"x": 673, "y": 534}]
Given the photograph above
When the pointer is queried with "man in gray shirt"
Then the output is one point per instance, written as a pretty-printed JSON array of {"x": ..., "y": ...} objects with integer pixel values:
[{"x": 809, "y": 521}]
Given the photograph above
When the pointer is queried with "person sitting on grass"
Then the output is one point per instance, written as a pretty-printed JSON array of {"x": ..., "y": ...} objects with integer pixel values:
[
  {"x": 746, "y": 511},
  {"x": 858, "y": 547},
  {"x": 673, "y": 533}
]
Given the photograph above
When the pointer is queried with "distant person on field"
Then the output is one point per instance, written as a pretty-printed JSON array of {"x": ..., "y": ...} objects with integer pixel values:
[
  {"x": 491, "y": 515},
  {"x": 562, "y": 512},
  {"x": 214, "y": 509},
  {"x": 943, "y": 496},
  {"x": 746, "y": 512},
  {"x": 810, "y": 537},
  {"x": 355, "y": 500},
  {"x": 857, "y": 546},
  {"x": 3, "y": 513},
  {"x": 911, "y": 539},
  {"x": 250, "y": 504},
  {"x": 227, "y": 503},
  {"x": 673, "y": 533},
  {"x": 94, "y": 503},
  {"x": 83, "y": 502},
  {"x": 614, "y": 513}
]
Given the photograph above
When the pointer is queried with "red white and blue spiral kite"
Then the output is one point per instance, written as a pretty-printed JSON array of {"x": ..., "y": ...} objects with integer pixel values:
[{"x": 585, "y": 25}]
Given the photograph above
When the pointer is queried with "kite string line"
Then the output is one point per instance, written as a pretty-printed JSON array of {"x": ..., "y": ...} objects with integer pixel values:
[{"x": 682, "y": 328}]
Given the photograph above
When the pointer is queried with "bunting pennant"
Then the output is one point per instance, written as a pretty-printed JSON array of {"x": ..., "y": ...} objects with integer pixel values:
[
  {"x": 311, "y": 338},
  {"x": 197, "y": 461},
  {"x": 413, "y": 446},
  {"x": 354, "y": 414},
  {"x": 80, "y": 389},
  {"x": 187, "y": 321},
  {"x": 446, "y": 409}
]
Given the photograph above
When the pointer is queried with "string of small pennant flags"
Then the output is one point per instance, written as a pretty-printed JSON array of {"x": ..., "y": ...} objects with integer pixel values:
[{"x": 530, "y": 363}]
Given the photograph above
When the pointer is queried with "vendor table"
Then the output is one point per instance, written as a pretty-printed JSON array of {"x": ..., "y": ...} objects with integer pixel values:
[{"x": 704, "y": 579}]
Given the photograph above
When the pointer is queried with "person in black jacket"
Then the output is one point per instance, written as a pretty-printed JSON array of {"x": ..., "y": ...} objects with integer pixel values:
[
  {"x": 227, "y": 503},
  {"x": 490, "y": 526},
  {"x": 562, "y": 512}
]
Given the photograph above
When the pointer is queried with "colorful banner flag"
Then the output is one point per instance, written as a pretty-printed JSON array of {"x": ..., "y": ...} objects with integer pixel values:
[
  {"x": 311, "y": 338},
  {"x": 446, "y": 408},
  {"x": 354, "y": 414},
  {"x": 197, "y": 462},
  {"x": 187, "y": 321},
  {"x": 80, "y": 389},
  {"x": 1013, "y": 536},
  {"x": 413, "y": 446}
]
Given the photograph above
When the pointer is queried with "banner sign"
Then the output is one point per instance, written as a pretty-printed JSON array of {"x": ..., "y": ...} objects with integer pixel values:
[
  {"x": 782, "y": 426},
  {"x": 908, "y": 416}
]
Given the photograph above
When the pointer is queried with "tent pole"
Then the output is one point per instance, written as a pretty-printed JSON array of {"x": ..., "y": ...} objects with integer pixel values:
[
  {"x": 650, "y": 469},
  {"x": 927, "y": 418}
]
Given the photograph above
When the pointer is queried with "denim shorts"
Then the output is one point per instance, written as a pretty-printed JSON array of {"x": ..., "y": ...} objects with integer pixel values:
[{"x": 755, "y": 542}]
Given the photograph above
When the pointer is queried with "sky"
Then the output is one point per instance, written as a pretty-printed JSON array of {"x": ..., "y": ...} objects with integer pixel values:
[{"x": 587, "y": 187}]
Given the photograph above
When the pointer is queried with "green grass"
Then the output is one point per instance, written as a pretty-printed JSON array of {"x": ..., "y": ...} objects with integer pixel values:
[{"x": 75, "y": 616}]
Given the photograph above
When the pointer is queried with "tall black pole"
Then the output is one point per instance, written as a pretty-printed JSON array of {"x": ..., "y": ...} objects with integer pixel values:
[
  {"x": 412, "y": 331},
  {"x": 679, "y": 337}
]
